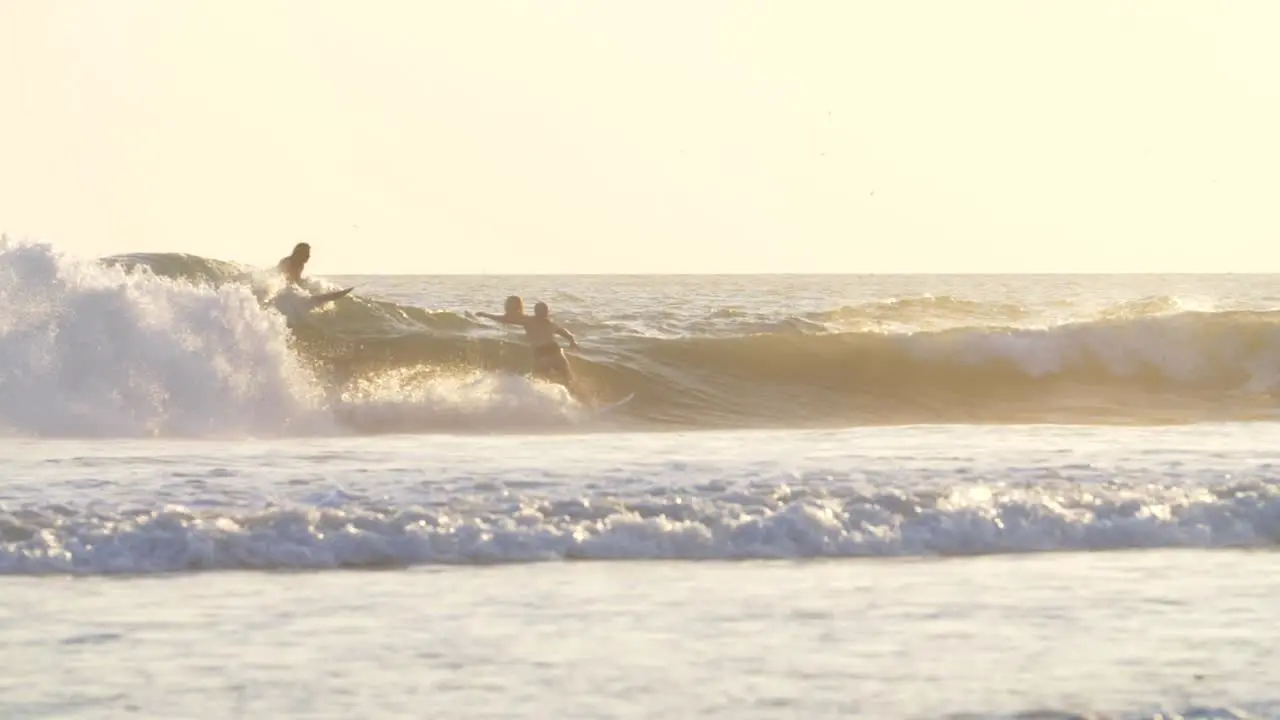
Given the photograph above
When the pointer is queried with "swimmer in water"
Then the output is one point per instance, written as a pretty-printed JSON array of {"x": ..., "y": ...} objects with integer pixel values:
[{"x": 549, "y": 361}]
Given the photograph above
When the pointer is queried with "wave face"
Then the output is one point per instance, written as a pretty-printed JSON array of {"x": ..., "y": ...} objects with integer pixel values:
[{"x": 168, "y": 344}]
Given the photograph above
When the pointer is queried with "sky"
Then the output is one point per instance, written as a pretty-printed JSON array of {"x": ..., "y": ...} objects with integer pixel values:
[{"x": 732, "y": 136}]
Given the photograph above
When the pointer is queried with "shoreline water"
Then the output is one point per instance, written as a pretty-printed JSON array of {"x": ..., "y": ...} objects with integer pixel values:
[{"x": 997, "y": 637}]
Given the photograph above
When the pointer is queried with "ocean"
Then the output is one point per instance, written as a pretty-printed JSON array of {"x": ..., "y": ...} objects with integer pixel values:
[{"x": 831, "y": 496}]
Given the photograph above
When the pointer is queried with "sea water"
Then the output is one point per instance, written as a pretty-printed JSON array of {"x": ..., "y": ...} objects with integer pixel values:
[{"x": 832, "y": 496}]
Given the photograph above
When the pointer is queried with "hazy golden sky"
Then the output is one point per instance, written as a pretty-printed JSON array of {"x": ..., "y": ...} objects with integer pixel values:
[{"x": 657, "y": 136}]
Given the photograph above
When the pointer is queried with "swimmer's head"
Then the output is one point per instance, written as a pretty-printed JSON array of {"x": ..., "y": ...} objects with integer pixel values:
[
  {"x": 514, "y": 305},
  {"x": 541, "y": 310}
]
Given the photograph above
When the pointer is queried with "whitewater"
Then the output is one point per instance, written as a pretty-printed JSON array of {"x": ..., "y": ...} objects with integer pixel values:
[{"x": 832, "y": 496}]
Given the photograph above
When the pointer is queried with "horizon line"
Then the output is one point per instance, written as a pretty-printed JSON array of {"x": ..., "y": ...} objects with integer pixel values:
[{"x": 931, "y": 273}]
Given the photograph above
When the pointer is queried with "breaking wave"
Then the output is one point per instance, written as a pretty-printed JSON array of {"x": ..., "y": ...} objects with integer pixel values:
[
  {"x": 167, "y": 344},
  {"x": 488, "y": 521}
]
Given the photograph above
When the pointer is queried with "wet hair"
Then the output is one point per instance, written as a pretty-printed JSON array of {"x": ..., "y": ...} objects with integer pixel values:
[
  {"x": 514, "y": 305},
  {"x": 541, "y": 310},
  {"x": 302, "y": 247}
]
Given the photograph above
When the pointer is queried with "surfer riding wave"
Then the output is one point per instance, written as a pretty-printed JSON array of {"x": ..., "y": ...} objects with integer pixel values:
[
  {"x": 548, "y": 358},
  {"x": 291, "y": 267},
  {"x": 549, "y": 361}
]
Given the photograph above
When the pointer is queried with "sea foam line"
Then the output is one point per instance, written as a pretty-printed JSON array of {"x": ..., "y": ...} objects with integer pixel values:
[{"x": 344, "y": 531}]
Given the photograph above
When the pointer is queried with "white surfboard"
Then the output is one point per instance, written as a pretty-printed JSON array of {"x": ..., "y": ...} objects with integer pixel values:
[
  {"x": 610, "y": 407},
  {"x": 316, "y": 301}
]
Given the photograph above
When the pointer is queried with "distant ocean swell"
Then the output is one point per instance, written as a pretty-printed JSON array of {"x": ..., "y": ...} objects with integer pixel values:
[{"x": 180, "y": 345}]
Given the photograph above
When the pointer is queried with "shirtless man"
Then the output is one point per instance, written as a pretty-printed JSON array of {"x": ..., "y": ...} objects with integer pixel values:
[
  {"x": 291, "y": 267},
  {"x": 549, "y": 361}
]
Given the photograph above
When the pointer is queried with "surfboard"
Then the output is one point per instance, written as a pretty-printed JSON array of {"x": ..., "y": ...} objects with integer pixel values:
[
  {"x": 316, "y": 301},
  {"x": 610, "y": 407}
]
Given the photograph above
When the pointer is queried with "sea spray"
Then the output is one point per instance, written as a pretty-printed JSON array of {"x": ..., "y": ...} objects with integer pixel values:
[{"x": 91, "y": 349}]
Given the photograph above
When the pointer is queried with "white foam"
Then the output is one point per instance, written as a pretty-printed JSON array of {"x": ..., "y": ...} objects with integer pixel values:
[
  {"x": 811, "y": 517},
  {"x": 426, "y": 398},
  {"x": 88, "y": 349}
]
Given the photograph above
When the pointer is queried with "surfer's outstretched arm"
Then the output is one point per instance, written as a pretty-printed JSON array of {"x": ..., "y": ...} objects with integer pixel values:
[
  {"x": 573, "y": 343},
  {"x": 504, "y": 319}
]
